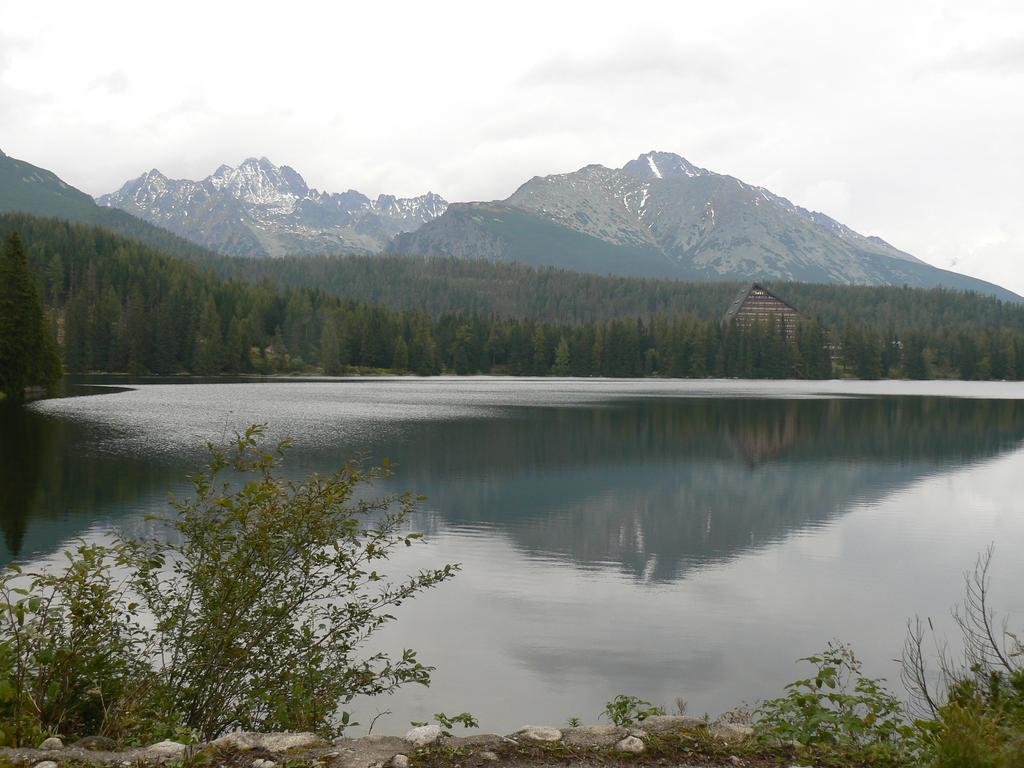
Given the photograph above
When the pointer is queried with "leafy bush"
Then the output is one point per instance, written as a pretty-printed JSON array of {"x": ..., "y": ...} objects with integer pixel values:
[
  {"x": 447, "y": 722},
  {"x": 72, "y": 651},
  {"x": 975, "y": 729},
  {"x": 251, "y": 613},
  {"x": 837, "y": 706},
  {"x": 625, "y": 711},
  {"x": 972, "y": 710}
]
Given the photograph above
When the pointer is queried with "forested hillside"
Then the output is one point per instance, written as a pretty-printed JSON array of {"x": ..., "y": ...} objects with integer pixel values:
[
  {"x": 26, "y": 188},
  {"x": 119, "y": 305},
  {"x": 437, "y": 285}
]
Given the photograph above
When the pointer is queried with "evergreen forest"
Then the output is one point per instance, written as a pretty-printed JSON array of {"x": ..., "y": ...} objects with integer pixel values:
[{"x": 114, "y": 304}]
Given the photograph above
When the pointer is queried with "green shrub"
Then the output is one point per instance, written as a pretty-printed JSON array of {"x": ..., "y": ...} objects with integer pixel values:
[
  {"x": 447, "y": 722},
  {"x": 972, "y": 710},
  {"x": 625, "y": 711},
  {"x": 837, "y": 706},
  {"x": 251, "y": 613},
  {"x": 72, "y": 651}
]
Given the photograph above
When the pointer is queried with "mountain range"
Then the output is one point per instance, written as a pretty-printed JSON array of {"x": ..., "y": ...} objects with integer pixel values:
[
  {"x": 661, "y": 216},
  {"x": 657, "y": 216},
  {"x": 261, "y": 209}
]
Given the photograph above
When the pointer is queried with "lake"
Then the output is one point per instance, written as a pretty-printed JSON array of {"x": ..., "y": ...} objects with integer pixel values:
[{"x": 668, "y": 539}]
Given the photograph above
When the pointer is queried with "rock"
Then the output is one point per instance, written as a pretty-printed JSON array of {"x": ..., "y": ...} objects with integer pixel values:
[
  {"x": 731, "y": 731},
  {"x": 96, "y": 744},
  {"x": 365, "y": 751},
  {"x": 488, "y": 756},
  {"x": 167, "y": 748},
  {"x": 399, "y": 761},
  {"x": 52, "y": 743},
  {"x": 45, "y": 764},
  {"x": 735, "y": 760},
  {"x": 594, "y": 735},
  {"x": 476, "y": 740},
  {"x": 261, "y": 763},
  {"x": 662, "y": 723},
  {"x": 539, "y": 733},
  {"x": 631, "y": 744},
  {"x": 423, "y": 734},
  {"x": 269, "y": 742}
]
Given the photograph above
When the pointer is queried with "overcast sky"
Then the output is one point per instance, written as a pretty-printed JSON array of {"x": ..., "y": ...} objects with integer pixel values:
[{"x": 904, "y": 120}]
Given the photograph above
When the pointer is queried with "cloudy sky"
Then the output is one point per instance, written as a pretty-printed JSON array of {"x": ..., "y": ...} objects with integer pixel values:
[{"x": 904, "y": 120}]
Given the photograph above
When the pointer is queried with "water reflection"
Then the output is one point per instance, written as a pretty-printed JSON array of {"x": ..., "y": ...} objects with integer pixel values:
[
  {"x": 650, "y": 486},
  {"x": 655, "y": 487}
]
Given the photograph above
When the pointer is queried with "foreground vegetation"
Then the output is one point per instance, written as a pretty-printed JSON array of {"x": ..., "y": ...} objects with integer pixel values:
[
  {"x": 117, "y": 305},
  {"x": 249, "y": 611},
  {"x": 252, "y": 609}
]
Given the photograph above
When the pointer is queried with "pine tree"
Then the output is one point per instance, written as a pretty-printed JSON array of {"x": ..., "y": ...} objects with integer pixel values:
[
  {"x": 401, "y": 359},
  {"x": 28, "y": 354},
  {"x": 209, "y": 355},
  {"x": 562, "y": 359}
]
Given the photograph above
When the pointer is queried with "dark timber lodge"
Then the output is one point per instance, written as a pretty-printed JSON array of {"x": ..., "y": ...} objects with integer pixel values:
[{"x": 756, "y": 304}]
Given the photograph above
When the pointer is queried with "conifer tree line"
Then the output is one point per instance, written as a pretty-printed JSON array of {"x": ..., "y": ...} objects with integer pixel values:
[
  {"x": 114, "y": 304},
  {"x": 28, "y": 352},
  {"x": 511, "y": 289}
]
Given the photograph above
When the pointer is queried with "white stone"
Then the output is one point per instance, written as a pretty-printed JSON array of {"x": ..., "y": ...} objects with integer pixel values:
[
  {"x": 732, "y": 731},
  {"x": 423, "y": 735},
  {"x": 271, "y": 742},
  {"x": 539, "y": 733},
  {"x": 45, "y": 764},
  {"x": 630, "y": 744},
  {"x": 659, "y": 723},
  {"x": 489, "y": 756},
  {"x": 167, "y": 748},
  {"x": 52, "y": 743},
  {"x": 399, "y": 761},
  {"x": 261, "y": 763},
  {"x": 594, "y": 735}
]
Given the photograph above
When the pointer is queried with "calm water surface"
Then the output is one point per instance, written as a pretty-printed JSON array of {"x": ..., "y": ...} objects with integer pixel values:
[{"x": 665, "y": 539}]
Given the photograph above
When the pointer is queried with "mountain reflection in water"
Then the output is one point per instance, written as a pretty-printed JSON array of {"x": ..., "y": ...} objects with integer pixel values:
[
  {"x": 650, "y": 486},
  {"x": 655, "y": 538}
]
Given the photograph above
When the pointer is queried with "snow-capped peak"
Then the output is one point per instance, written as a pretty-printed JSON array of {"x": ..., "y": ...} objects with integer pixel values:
[
  {"x": 225, "y": 209},
  {"x": 260, "y": 182},
  {"x": 662, "y": 165}
]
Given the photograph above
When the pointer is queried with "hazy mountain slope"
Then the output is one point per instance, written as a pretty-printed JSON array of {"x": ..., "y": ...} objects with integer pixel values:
[
  {"x": 26, "y": 188},
  {"x": 260, "y": 209},
  {"x": 703, "y": 225},
  {"x": 498, "y": 231}
]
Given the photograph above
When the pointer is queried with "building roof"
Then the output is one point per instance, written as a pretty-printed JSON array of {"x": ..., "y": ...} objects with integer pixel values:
[{"x": 745, "y": 292}]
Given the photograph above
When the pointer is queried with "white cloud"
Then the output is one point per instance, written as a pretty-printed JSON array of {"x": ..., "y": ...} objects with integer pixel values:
[{"x": 900, "y": 119}]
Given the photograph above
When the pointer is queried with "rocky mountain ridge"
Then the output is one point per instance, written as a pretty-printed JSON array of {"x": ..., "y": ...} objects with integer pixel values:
[
  {"x": 261, "y": 209},
  {"x": 662, "y": 216}
]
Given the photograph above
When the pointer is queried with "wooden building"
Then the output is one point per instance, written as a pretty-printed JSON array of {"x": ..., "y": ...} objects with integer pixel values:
[{"x": 757, "y": 304}]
